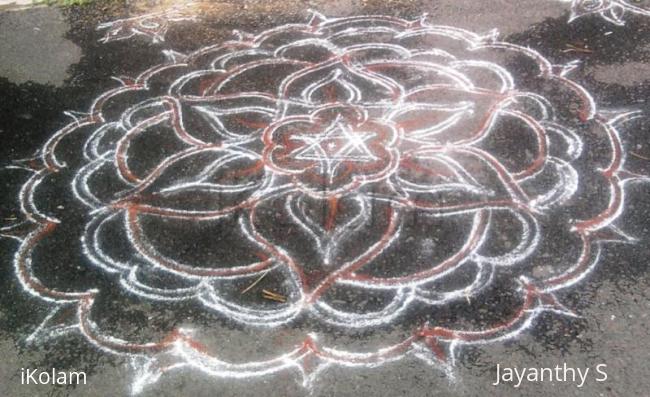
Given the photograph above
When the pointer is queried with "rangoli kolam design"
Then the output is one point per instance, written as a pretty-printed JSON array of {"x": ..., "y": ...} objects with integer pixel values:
[
  {"x": 614, "y": 11},
  {"x": 346, "y": 173},
  {"x": 153, "y": 26}
]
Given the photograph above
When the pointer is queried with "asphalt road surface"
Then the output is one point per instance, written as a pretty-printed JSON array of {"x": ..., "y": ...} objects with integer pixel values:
[{"x": 325, "y": 198}]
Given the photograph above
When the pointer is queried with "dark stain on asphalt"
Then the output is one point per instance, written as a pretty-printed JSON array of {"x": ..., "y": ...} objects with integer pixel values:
[{"x": 29, "y": 112}]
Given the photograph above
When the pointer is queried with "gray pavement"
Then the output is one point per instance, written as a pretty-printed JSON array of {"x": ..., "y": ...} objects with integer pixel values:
[{"x": 351, "y": 283}]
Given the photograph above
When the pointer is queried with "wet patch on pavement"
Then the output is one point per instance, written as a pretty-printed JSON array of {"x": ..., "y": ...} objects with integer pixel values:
[{"x": 350, "y": 225}]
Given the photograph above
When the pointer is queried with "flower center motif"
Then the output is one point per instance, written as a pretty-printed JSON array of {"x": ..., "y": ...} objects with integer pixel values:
[
  {"x": 336, "y": 145},
  {"x": 330, "y": 153}
]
